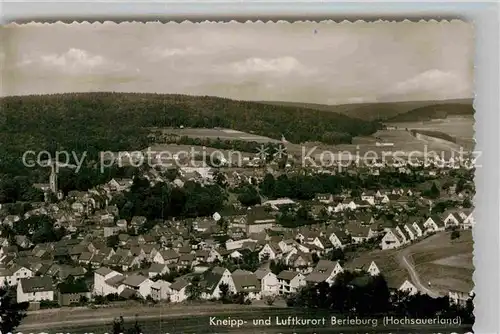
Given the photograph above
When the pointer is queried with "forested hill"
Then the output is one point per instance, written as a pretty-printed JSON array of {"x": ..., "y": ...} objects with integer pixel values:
[
  {"x": 393, "y": 111},
  {"x": 119, "y": 121},
  {"x": 433, "y": 111}
]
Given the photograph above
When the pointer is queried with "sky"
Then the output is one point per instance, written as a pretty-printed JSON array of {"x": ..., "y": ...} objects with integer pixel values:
[{"x": 327, "y": 63}]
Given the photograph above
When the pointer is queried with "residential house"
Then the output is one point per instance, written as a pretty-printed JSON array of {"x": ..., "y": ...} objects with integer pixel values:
[
  {"x": 468, "y": 222},
  {"x": 179, "y": 290},
  {"x": 101, "y": 275},
  {"x": 325, "y": 271},
  {"x": 160, "y": 290},
  {"x": 434, "y": 224},
  {"x": 411, "y": 232},
  {"x": 35, "y": 289},
  {"x": 357, "y": 232},
  {"x": 269, "y": 283},
  {"x": 140, "y": 284},
  {"x": 290, "y": 281},
  {"x": 168, "y": 256},
  {"x": 419, "y": 228},
  {"x": 270, "y": 251},
  {"x": 248, "y": 283},
  {"x": 10, "y": 276},
  {"x": 368, "y": 266},
  {"x": 452, "y": 219},
  {"x": 211, "y": 281},
  {"x": 259, "y": 220},
  {"x": 391, "y": 240},
  {"x": 338, "y": 238},
  {"x": 405, "y": 285},
  {"x": 157, "y": 269},
  {"x": 324, "y": 198},
  {"x": 369, "y": 196}
]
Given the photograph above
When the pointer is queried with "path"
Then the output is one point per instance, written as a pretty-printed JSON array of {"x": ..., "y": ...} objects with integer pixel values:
[{"x": 405, "y": 259}]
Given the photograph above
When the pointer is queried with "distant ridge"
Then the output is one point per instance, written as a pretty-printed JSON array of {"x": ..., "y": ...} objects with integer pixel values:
[{"x": 391, "y": 111}]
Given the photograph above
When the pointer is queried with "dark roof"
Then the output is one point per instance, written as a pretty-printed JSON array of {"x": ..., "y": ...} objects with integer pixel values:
[
  {"x": 246, "y": 282},
  {"x": 287, "y": 274},
  {"x": 128, "y": 293},
  {"x": 211, "y": 278},
  {"x": 103, "y": 271},
  {"x": 179, "y": 284},
  {"x": 134, "y": 280},
  {"x": 36, "y": 284},
  {"x": 116, "y": 280}
]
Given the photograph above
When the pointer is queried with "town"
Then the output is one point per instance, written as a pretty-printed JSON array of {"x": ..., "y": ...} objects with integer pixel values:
[{"x": 258, "y": 233}]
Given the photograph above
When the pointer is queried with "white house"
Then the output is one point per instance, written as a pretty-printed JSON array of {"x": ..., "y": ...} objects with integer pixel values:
[
  {"x": 403, "y": 235},
  {"x": 157, "y": 269},
  {"x": 269, "y": 284},
  {"x": 290, "y": 281},
  {"x": 405, "y": 286},
  {"x": 179, "y": 290},
  {"x": 35, "y": 289},
  {"x": 140, "y": 284},
  {"x": 325, "y": 271},
  {"x": 434, "y": 224},
  {"x": 338, "y": 238},
  {"x": 248, "y": 283},
  {"x": 160, "y": 290},
  {"x": 11, "y": 275},
  {"x": 212, "y": 280},
  {"x": 102, "y": 278},
  {"x": 391, "y": 240},
  {"x": 373, "y": 270},
  {"x": 468, "y": 221},
  {"x": 270, "y": 251},
  {"x": 368, "y": 196},
  {"x": 286, "y": 245},
  {"x": 452, "y": 220},
  {"x": 410, "y": 231},
  {"x": 419, "y": 228}
]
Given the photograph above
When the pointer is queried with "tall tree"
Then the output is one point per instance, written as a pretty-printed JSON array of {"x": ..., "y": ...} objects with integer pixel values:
[{"x": 11, "y": 312}]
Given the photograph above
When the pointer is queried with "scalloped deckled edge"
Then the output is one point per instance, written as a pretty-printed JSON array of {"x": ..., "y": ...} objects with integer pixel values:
[{"x": 279, "y": 21}]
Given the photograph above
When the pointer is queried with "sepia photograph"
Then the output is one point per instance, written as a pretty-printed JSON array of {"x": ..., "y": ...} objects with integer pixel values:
[{"x": 279, "y": 177}]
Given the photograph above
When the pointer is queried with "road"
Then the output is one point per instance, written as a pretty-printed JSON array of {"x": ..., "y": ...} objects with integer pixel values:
[
  {"x": 251, "y": 320},
  {"x": 405, "y": 259},
  {"x": 83, "y": 316}
]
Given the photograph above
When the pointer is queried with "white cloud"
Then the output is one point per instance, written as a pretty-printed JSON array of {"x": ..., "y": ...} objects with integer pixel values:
[
  {"x": 283, "y": 65},
  {"x": 74, "y": 61},
  {"x": 431, "y": 80},
  {"x": 161, "y": 53}
]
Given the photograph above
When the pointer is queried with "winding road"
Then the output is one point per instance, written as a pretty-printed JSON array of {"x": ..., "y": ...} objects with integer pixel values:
[{"x": 405, "y": 260}]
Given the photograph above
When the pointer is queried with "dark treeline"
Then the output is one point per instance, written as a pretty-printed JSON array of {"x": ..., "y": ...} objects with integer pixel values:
[
  {"x": 363, "y": 295},
  {"x": 95, "y": 122},
  {"x": 304, "y": 187},
  {"x": 437, "y": 111},
  {"x": 163, "y": 201}
]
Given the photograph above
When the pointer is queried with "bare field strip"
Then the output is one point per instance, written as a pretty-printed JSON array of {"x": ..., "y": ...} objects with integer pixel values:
[
  {"x": 222, "y": 134},
  {"x": 457, "y": 261}
]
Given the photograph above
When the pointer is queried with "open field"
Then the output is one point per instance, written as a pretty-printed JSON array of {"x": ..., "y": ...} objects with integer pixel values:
[
  {"x": 219, "y": 133},
  {"x": 460, "y": 127},
  {"x": 446, "y": 263},
  {"x": 185, "y": 149},
  {"x": 384, "y": 143}
]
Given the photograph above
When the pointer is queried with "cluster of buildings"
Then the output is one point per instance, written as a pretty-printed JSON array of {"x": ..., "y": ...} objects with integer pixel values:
[{"x": 135, "y": 264}]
